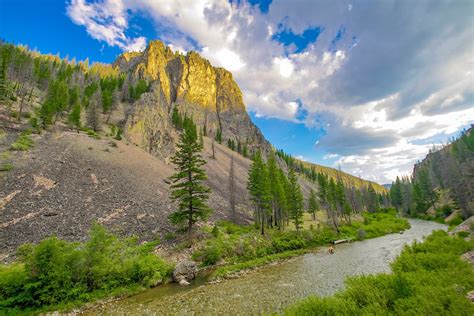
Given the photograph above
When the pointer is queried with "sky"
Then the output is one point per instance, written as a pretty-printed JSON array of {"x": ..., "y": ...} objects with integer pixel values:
[{"x": 369, "y": 86}]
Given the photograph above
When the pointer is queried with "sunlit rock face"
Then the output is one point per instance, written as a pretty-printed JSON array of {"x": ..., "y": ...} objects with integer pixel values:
[{"x": 189, "y": 82}]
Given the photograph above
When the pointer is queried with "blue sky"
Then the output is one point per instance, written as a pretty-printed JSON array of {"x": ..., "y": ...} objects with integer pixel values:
[{"x": 366, "y": 85}]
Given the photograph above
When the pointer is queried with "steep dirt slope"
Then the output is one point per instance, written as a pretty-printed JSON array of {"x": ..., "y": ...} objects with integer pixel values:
[{"x": 69, "y": 180}]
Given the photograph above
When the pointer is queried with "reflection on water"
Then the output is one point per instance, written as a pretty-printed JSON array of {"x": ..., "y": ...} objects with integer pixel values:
[{"x": 273, "y": 287}]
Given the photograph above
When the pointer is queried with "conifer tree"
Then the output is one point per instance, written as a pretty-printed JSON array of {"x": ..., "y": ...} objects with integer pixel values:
[
  {"x": 277, "y": 191},
  {"x": 428, "y": 194},
  {"x": 74, "y": 118},
  {"x": 5, "y": 53},
  {"x": 188, "y": 186},
  {"x": 372, "y": 199},
  {"x": 295, "y": 200},
  {"x": 396, "y": 194},
  {"x": 218, "y": 137},
  {"x": 258, "y": 186},
  {"x": 92, "y": 115},
  {"x": 313, "y": 205}
]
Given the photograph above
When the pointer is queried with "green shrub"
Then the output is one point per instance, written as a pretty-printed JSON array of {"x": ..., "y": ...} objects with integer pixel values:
[
  {"x": 463, "y": 234},
  {"x": 23, "y": 143},
  {"x": 209, "y": 255},
  {"x": 428, "y": 278},
  {"x": 456, "y": 221},
  {"x": 6, "y": 166},
  {"x": 56, "y": 271}
]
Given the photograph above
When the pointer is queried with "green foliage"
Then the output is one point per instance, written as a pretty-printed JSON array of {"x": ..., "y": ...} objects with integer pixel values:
[
  {"x": 74, "y": 118},
  {"x": 177, "y": 119},
  {"x": 428, "y": 278},
  {"x": 295, "y": 200},
  {"x": 23, "y": 143},
  {"x": 259, "y": 189},
  {"x": 218, "y": 136},
  {"x": 57, "y": 100},
  {"x": 188, "y": 186},
  {"x": 137, "y": 90},
  {"x": 56, "y": 271},
  {"x": 456, "y": 221}
]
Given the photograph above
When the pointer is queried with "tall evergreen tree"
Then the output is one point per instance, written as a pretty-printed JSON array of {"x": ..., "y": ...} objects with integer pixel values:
[
  {"x": 295, "y": 200},
  {"x": 188, "y": 186},
  {"x": 74, "y": 118},
  {"x": 372, "y": 199},
  {"x": 259, "y": 189},
  {"x": 396, "y": 194},
  {"x": 313, "y": 205},
  {"x": 428, "y": 194},
  {"x": 276, "y": 187}
]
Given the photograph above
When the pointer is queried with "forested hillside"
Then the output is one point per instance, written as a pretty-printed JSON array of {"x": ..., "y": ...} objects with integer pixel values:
[{"x": 441, "y": 183}]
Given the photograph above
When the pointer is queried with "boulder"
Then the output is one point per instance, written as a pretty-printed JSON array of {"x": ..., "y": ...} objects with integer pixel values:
[
  {"x": 183, "y": 282},
  {"x": 185, "y": 270}
]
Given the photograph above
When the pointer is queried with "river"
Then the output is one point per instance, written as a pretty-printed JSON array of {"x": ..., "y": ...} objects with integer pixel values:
[{"x": 272, "y": 288}]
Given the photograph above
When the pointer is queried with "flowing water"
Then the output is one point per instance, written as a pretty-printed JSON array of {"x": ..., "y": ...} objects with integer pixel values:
[{"x": 272, "y": 288}]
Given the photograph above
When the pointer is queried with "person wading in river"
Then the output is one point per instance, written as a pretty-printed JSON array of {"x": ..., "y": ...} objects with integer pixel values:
[{"x": 331, "y": 250}]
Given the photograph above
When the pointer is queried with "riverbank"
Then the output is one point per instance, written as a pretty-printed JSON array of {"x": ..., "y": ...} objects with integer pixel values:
[
  {"x": 273, "y": 287},
  {"x": 428, "y": 278},
  {"x": 57, "y": 275},
  {"x": 244, "y": 250}
]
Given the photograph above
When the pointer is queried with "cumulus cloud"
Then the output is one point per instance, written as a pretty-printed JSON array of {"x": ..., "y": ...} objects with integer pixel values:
[
  {"x": 105, "y": 21},
  {"x": 380, "y": 77}
]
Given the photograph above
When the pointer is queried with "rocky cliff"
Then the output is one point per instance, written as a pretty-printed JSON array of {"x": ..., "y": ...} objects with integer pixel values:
[{"x": 189, "y": 82}]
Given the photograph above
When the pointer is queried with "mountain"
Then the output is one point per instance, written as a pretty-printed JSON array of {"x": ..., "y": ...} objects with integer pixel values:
[{"x": 57, "y": 178}]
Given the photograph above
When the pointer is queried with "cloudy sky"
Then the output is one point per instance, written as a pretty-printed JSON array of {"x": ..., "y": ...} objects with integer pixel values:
[{"x": 367, "y": 85}]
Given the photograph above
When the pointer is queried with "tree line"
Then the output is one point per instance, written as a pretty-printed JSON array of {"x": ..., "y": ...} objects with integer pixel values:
[{"x": 447, "y": 169}]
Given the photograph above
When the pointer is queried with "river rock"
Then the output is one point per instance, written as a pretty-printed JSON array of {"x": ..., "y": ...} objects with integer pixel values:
[
  {"x": 185, "y": 270},
  {"x": 183, "y": 282}
]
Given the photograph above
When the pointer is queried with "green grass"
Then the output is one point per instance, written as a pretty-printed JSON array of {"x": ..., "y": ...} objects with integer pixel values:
[
  {"x": 23, "y": 143},
  {"x": 56, "y": 274},
  {"x": 5, "y": 164},
  {"x": 428, "y": 278},
  {"x": 90, "y": 132}
]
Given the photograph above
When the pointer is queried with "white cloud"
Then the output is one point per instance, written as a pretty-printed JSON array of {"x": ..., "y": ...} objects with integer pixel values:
[
  {"x": 400, "y": 74},
  {"x": 105, "y": 21}
]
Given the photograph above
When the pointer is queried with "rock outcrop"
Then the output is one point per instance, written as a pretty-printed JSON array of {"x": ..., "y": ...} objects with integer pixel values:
[
  {"x": 189, "y": 82},
  {"x": 185, "y": 272}
]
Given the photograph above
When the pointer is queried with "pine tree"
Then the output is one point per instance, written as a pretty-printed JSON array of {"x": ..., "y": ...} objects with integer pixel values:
[
  {"x": 258, "y": 186},
  {"x": 295, "y": 200},
  {"x": 74, "y": 118},
  {"x": 218, "y": 137},
  {"x": 428, "y": 194},
  {"x": 4, "y": 58},
  {"x": 188, "y": 186},
  {"x": 372, "y": 199},
  {"x": 396, "y": 194},
  {"x": 277, "y": 191},
  {"x": 245, "y": 151},
  {"x": 176, "y": 118},
  {"x": 313, "y": 205},
  {"x": 92, "y": 115}
]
